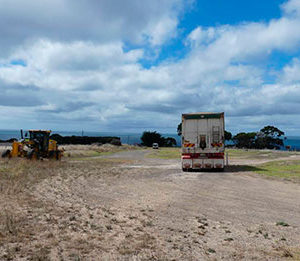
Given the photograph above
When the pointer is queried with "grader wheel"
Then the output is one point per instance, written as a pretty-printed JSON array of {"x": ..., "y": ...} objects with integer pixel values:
[
  {"x": 55, "y": 154},
  {"x": 5, "y": 154},
  {"x": 58, "y": 155},
  {"x": 33, "y": 155}
]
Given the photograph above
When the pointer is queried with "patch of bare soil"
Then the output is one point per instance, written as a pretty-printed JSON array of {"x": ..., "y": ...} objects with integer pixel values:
[{"x": 130, "y": 208}]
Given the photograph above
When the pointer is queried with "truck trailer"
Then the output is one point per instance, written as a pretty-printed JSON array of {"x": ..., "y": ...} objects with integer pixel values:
[{"x": 203, "y": 141}]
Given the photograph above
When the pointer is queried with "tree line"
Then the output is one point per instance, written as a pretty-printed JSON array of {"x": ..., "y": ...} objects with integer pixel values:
[
  {"x": 150, "y": 137},
  {"x": 267, "y": 138}
]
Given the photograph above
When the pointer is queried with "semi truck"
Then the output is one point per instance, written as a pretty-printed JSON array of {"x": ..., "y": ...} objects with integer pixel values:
[{"x": 203, "y": 141}]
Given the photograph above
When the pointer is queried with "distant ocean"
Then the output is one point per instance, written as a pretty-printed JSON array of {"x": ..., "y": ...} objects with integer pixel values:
[
  {"x": 126, "y": 138},
  {"x": 132, "y": 138}
]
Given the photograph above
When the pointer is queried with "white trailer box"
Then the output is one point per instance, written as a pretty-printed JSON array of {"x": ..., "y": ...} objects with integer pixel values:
[{"x": 203, "y": 141}]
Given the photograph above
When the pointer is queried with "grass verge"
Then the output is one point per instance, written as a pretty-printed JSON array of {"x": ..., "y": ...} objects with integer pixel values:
[
  {"x": 259, "y": 154},
  {"x": 165, "y": 153},
  {"x": 174, "y": 153},
  {"x": 87, "y": 151},
  {"x": 287, "y": 169}
]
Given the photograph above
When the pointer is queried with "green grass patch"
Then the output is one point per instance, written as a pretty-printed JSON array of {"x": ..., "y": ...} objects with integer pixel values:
[
  {"x": 174, "y": 153},
  {"x": 259, "y": 154},
  {"x": 165, "y": 153},
  {"x": 89, "y": 155},
  {"x": 288, "y": 169},
  {"x": 92, "y": 151},
  {"x": 282, "y": 223}
]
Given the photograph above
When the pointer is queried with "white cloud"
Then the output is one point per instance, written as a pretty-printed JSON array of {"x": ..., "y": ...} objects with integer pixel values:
[
  {"x": 105, "y": 21},
  {"x": 291, "y": 7},
  {"x": 162, "y": 31},
  {"x": 86, "y": 78},
  {"x": 291, "y": 72},
  {"x": 248, "y": 40}
]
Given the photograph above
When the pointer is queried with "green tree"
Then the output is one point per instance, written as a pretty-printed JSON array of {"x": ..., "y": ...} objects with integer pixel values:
[
  {"x": 272, "y": 131},
  {"x": 228, "y": 135},
  {"x": 170, "y": 142},
  {"x": 148, "y": 138},
  {"x": 245, "y": 140},
  {"x": 179, "y": 129},
  {"x": 269, "y": 138}
]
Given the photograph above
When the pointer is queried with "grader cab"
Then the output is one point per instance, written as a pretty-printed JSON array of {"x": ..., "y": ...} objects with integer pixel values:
[{"x": 37, "y": 146}]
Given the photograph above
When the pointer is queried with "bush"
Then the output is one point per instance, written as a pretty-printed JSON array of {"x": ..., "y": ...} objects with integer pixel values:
[
  {"x": 148, "y": 138},
  {"x": 84, "y": 140},
  {"x": 267, "y": 138}
]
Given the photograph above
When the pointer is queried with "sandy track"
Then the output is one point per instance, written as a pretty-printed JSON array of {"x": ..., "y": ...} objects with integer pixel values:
[{"x": 143, "y": 209}]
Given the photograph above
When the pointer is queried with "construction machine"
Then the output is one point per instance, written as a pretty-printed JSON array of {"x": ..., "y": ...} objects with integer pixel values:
[{"x": 37, "y": 146}]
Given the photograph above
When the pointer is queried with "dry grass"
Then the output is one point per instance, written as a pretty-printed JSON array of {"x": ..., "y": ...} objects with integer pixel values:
[
  {"x": 287, "y": 169},
  {"x": 18, "y": 178},
  {"x": 166, "y": 153},
  {"x": 34, "y": 217},
  {"x": 78, "y": 151},
  {"x": 16, "y": 175},
  {"x": 95, "y": 208},
  {"x": 259, "y": 154}
]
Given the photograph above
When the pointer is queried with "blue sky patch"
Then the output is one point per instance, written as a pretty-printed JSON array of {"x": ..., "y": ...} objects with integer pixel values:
[{"x": 18, "y": 62}]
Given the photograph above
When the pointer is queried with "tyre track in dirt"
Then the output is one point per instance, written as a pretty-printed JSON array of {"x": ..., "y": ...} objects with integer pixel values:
[{"x": 134, "y": 207}]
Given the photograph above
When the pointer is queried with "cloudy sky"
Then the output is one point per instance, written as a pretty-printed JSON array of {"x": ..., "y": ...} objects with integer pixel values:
[{"x": 127, "y": 66}]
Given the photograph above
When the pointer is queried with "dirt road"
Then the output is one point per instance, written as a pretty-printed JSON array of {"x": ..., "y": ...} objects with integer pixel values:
[{"x": 141, "y": 208}]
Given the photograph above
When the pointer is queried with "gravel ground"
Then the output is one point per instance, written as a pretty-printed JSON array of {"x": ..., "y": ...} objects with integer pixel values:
[{"x": 129, "y": 207}]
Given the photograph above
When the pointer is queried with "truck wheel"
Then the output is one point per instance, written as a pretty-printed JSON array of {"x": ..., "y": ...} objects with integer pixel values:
[{"x": 5, "y": 154}]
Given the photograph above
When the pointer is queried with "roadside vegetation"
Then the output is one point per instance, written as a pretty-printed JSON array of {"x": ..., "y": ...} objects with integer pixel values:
[
  {"x": 86, "y": 151},
  {"x": 165, "y": 153},
  {"x": 269, "y": 137},
  {"x": 37, "y": 207},
  {"x": 259, "y": 154},
  {"x": 150, "y": 137},
  {"x": 286, "y": 169},
  {"x": 86, "y": 206},
  {"x": 175, "y": 153}
]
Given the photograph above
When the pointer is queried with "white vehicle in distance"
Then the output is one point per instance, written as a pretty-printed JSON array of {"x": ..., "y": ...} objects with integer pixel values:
[{"x": 155, "y": 146}]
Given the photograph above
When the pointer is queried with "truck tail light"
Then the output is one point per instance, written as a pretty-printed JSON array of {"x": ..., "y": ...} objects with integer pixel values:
[
  {"x": 219, "y": 155},
  {"x": 186, "y": 157}
]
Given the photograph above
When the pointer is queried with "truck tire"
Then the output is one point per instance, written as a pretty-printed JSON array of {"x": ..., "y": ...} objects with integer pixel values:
[{"x": 5, "y": 154}]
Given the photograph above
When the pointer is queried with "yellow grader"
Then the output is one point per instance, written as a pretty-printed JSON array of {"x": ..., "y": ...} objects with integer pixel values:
[{"x": 37, "y": 146}]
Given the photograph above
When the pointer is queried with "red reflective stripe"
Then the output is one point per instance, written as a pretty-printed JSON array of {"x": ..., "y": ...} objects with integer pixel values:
[
  {"x": 219, "y": 155},
  {"x": 216, "y": 155}
]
